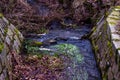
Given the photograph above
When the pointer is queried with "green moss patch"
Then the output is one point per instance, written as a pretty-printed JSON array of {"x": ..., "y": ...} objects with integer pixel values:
[
  {"x": 114, "y": 18},
  {"x": 17, "y": 32},
  {"x": 69, "y": 50},
  {"x": 1, "y": 46},
  {"x": 117, "y": 7},
  {"x": 1, "y": 15},
  {"x": 5, "y": 31},
  {"x": 112, "y": 23}
]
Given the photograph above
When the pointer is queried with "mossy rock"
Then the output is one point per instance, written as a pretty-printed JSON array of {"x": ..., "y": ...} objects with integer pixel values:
[
  {"x": 33, "y": 43},
  {"x": 1, "y": 15},
  {"x": 117, "y": 7},
  {"x": 1, "y": 46},
  {"x": 36, "y": 43}
]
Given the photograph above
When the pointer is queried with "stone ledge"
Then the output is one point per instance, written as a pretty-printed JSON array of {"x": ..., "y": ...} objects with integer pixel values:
[
  {"x": 119, "y": 51},
  {"x": 112, "y": 20},
  {"x": 117, "y": 44}
]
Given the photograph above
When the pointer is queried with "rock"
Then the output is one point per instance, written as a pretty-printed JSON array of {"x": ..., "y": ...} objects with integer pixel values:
[
  {"x": 37, "y": 43},
  {"x": 74, "y": 37},
  {"x": 49, "y": 42},
  {"x": 61, "y": 38},
  {"x": 52, "y": 41}
]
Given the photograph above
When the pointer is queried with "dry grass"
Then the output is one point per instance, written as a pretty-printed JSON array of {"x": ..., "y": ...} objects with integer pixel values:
[
  {"x": 25, "y": 16},
  {"x": 32, "y": 67}
]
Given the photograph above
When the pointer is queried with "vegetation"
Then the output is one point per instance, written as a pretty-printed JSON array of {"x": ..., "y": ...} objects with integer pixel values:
[
  {"x": 32, "y": 67},
  {"x": 1, "y": 47},
  {"x": 69, "y": 50},
  {"x": 28, "y": 18},
  {"x": 34, "y": 16}
]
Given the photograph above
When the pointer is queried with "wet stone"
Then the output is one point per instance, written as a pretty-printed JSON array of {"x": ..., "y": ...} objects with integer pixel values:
[{"x": 52, "y": 41}]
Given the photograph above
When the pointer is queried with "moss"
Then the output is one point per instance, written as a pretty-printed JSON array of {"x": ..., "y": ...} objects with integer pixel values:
[
  {"x": 114, "y": 18},
  {"x": 105, "y": 25},
  {"x": 112, "y": 23},
  {"x": 118, "y": 48},
  {"x": 32, "y": 43},
  {"x": 32, "y": 50},
  {"x": 31, "y": 46},
  {"x": 92, "y": 32},
  {"x": 1, "y": 15},
  {"x": 93, "y": 43},
  {"x": 56, "y": 55},
  {"x": 94, "y": 29},
  {"x": 17, "y": 32},
  {"x": 96, "y": 48},
  {"x": 115, "y": 15},
  {"x": 109, "y": 44},
  {"x": 117, "y": 7},
  {"x": 79, "y": 57},
  {"x": 104, "y": 77},
  {"x": 69, "y": 50},
  {"x": 37, "y": 43},
  {"x": 116, "y": 39},
  {"x": 5, "y": 31},
  {"x": 111, "y": 53},
  {"x": 1, "y": 47}
]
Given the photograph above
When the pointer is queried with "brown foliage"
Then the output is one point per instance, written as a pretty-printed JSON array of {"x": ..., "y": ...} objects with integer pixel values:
[
  {"x": 29, "y": 18},
  {"x": 33, "y": 67}
]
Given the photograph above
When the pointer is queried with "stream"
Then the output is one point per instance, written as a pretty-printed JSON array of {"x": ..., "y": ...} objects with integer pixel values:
[
  {"x": 82, "y": 64},
  {"x": 75, "y": 51}
]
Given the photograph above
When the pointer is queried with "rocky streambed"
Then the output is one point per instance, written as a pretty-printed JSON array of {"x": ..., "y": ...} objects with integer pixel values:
[
  {"x": 75, "y": 52},
  {"x": 63, "y": 52}
]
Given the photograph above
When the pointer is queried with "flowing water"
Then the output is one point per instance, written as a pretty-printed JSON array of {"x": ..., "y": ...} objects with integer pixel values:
[
  {"x": 81, "y": 64},
  {"x": 76, "y": 52}
]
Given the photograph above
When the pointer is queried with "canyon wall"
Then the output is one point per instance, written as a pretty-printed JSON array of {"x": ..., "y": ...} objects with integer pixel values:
[
  {"x": 10, "y": 41},
  {"x": 106, "y": 44}
]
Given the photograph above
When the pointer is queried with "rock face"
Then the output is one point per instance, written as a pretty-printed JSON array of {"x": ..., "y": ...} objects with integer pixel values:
[
  {"x": 10, "y": 40},
  {"x": 106, "y": 44}
]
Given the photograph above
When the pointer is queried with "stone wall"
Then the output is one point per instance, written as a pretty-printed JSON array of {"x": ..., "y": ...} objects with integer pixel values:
[
  {"x": 10, "y": 40},
  {"x": 106, "y": 44}
]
